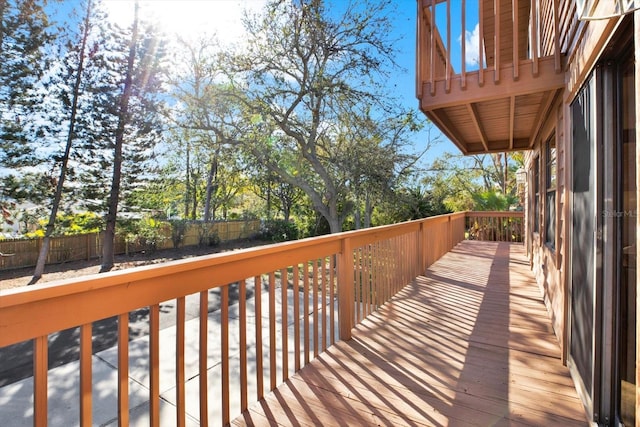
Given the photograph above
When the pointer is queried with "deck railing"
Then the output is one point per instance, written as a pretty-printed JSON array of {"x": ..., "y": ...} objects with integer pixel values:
[
  {"x": 314, "y": 291},
  {"x": 495, "y": 226},
  {"x": 518, "y": 34}
]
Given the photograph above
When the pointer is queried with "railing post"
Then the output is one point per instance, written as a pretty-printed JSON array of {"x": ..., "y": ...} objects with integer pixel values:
[
  {"x": 421, "y": 242},
  {"x": 346, "y": 298}
]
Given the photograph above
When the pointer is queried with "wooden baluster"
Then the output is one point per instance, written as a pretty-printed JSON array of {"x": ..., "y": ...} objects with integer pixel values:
[
  {"x": 181, "y": 420},
  {"x": 534, "y": 36},
  {"x": 358, "y": 285},
  {"x": 305, "y": 298},
  {"x": 432, "y": 49},
  {"x": 242, "y": 303},
  {"x": 86, "y": 385},
  {"x": 323, "y": 281},
  {"x": 284, "y": 286},
  {"x": 272, "y": 331},
  {"x": 516, "y": 39},
  {"x": 224, "y": 337},
  {"x": 496, "y": 54},
  {"x": 257, "y": 294},
  {"x": 463, "y": 41},
  {"x": 203, "y": 342},
  {"x": 123, "y": 370},
  {"x": 296, "y": 316},
  {"x": 345, "y": 290},
  {"x": 332, "y": 284},
  {"x": 448, "y": 56},
  {"x": 481, "y": 42},
  {"x": 315, "y": 309},
  {"x": 154, "y": 365},
  {"x": 40, "y": 380}
]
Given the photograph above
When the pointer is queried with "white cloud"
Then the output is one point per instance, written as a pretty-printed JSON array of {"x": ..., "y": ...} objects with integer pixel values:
[{"x": 472, "y": 43}]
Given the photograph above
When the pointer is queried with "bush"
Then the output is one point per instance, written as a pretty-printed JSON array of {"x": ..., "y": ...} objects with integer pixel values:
[
  {"x": 206, "y": 236},
  {"x": 146, "y": 233},
  {"x": 178, "y": 231},
  {"x": 278, "y": 230}
]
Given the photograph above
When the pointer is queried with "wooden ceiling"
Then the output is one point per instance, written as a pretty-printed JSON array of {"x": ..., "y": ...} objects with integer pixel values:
[{"x": 491, "y": 110}]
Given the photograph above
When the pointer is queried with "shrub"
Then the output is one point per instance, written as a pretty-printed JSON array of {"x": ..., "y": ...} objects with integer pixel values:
[
  {"x": 146, "y": 232},
  {"x": 178, "y": 231},
  {"x": 206, "y": 236},
  {"x": 278, "y": 230}
]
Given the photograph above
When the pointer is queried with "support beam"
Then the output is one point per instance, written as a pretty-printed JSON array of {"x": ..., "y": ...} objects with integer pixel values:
[
  {"x": 543, "y": 112},
  {"x": 512, "y": 119},
  {"x": 473, "y": 112}
]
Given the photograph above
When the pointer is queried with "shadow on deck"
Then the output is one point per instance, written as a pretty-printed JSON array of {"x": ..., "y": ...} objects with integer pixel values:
[{"x": 468, "y": 343}]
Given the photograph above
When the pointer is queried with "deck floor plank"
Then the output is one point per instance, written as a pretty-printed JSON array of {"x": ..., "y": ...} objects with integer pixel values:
[{"x": 467, "y": 343}]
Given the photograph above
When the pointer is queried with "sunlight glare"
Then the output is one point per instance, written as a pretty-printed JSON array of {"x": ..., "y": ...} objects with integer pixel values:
[{"x": 189, "y": 18}]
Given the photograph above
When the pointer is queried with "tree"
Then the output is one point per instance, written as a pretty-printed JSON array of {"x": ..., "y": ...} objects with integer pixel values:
[
  {"x": 207, "y": 122},
  {"x": 478, "y": 182},
  {"x": 275, "y": 192},
  {"x": 24, "y": 38},
  {"x": 304, "y": 67},
  {"x": 55, "y": 204},
  {"x": 135, "y": 119}
]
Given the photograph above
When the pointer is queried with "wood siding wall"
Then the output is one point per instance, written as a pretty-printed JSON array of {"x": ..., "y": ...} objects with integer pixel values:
[{"x": 547, "y": 263}]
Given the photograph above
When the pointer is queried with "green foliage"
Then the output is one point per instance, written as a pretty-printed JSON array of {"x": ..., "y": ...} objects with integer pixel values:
[
  {"x": 178, "y": 231},
  {"x": 493, "y": 200},
  {"x": 207, "y": 236},
  {"x": 71, "y": 224},
  {"x": 146, "y": 233},
  {"x": 479, "y": 182},
  {"x": 278, "y": 230}
]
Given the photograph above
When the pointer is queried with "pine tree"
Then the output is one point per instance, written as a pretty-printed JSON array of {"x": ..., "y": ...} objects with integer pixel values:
[
  {"x": 135, "y": 121},
  {"x": 24, "y": 37},
  {"x": 75, "y": 93}
]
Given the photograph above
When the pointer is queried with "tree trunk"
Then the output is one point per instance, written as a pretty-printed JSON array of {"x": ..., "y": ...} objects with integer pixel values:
[
  {"x": 368, "y": 211},
  {"x": 44, "y": 250},
  {"x": 110, "y": 228},
  {"x": 211, "y": 178},
  {"x": 506, "y": 171},
  {"x": 187, "y": 183}
]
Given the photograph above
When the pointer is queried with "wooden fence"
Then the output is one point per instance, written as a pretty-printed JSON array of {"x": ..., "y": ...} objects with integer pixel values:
[{"x": 18, "y": 253}]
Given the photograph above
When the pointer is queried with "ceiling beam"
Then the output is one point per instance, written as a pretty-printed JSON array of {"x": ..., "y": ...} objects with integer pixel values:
[
  {"x": 512, "y": 119},
  {"x": 475, "y": 117},
  {"x": 545, "y": 106}
]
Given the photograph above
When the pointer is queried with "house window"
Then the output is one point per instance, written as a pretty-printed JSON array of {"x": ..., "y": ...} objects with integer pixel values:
[
  {"x": 536, "y": 195},
  {"x": 550, "y": 194}
]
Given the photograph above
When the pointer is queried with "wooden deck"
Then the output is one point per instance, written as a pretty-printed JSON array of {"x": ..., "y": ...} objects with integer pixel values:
[{"x": 468, "y": 343}]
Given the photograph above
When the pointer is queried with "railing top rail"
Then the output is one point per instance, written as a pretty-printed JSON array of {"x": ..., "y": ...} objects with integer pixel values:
[{"x": 495, "y": 214}]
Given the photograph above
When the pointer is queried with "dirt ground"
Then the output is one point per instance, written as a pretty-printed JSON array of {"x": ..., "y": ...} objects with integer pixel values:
[{"x": 21, "y": 277}]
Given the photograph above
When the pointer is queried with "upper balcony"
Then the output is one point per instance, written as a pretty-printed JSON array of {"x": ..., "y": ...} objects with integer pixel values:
[
  {"x": 402, "y": 324},
  {"x": 488, "y": 71}
]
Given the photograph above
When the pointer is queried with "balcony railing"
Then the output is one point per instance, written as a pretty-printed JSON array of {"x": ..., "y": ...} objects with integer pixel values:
[
  {"x": 495, "y": 226},
  {"x": 302, "y": 297},
  {"x": 487, "y": 70}
]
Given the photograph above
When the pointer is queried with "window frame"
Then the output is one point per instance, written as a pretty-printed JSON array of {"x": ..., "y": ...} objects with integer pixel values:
[{"x": 550, "y": 192}]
